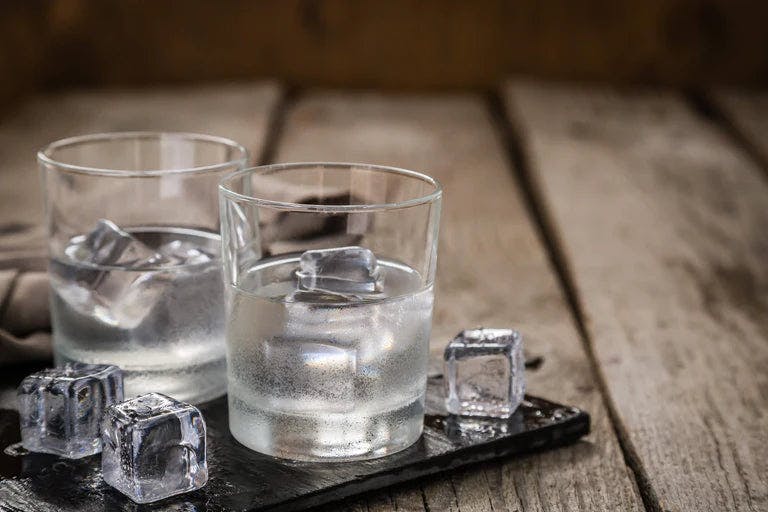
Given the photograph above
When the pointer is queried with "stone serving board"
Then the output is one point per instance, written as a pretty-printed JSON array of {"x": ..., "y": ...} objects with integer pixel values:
[{"x": 241, "y": 480}]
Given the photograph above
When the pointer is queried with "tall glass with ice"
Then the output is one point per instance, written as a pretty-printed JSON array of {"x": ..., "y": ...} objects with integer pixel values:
[
  {"x": 330, "y": 271},
  {"x": 134, "y": 250}
]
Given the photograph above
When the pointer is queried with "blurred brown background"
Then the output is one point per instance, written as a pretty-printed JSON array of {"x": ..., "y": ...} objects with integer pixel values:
[{"x": 402, "y": 44}]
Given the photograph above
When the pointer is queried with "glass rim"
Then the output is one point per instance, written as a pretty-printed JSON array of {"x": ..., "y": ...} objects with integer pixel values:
[
  {"x": 44, "y": 155},
  {"x": 431, "y": 197}
]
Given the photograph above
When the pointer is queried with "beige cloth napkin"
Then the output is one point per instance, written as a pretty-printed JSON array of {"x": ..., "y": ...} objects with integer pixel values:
[{"x": 24, "y": 315}]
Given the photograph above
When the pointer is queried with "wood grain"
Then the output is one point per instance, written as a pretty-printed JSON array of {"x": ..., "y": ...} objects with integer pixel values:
[
  {"x": 661, "y": 220},
  {"x": 492, "y": 271}
]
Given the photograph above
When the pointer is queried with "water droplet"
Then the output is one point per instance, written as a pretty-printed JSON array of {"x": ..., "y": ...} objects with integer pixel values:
[
  {"x": 15, "y": 450},
  {"x": 434, "y": 421}
]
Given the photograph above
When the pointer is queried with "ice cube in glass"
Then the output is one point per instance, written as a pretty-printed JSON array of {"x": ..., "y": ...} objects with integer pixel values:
[
  {"x": 484, "y": 373},
  {"x": 95, "y": 289},
  {"x": 61, "y": 409},
  {"x": 154, "y": 447},
  {"x": 108, "y": 244},
  {"x": 341, "y": 270}
]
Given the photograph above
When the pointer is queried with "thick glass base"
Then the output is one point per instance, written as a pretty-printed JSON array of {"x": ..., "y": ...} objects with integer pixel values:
[{"x": 326, "y": 437}]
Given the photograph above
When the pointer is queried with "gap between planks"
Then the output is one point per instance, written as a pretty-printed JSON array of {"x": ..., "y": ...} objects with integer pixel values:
[
  {"x": 508, "y": 129},
  {"x": 660, "y": 216},
  {"x": 276, "y": 124}
]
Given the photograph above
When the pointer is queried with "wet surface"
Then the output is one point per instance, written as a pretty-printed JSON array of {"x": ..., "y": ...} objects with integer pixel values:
[
  {"x": 533, "y": 363},
  {"x": 242, "y": 480}
]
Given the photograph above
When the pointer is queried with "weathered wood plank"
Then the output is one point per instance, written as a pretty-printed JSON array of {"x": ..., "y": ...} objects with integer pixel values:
[
  {"x": 492, "y": 271},
  {"x": 380, "y": 502},
  {"x": 240, "y": 112},
  {"x": 409, "y": 499},
  {"x": 662, "y": 223},
  {"x": 440, "y": 495},
  {"x": 747, "y": 112}
]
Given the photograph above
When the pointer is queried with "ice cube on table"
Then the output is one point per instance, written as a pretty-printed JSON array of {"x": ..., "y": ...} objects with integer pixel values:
[
  {"x": 345, "y": 271},
  {"x": 154, "y": 447},
  {"x": 484, "y": 373},
  {"x": 61, "y": 409}
]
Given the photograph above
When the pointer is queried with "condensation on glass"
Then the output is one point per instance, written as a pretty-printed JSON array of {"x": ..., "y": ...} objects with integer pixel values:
[{"x": 330, "y": 272}]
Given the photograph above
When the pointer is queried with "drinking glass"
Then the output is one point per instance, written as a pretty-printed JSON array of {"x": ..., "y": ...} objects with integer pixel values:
[
  {"x": 330, "y": 270},
  {"x": 133, "y": 235}
]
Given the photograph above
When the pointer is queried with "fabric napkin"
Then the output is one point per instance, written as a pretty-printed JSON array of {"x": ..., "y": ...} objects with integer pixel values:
[{"x": 24, "y": 314}]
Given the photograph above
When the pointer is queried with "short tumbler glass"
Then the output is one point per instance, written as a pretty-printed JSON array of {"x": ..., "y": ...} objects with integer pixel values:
[
  {"x": 330, "y": 270},
  {"x": 133, "y": 232}
]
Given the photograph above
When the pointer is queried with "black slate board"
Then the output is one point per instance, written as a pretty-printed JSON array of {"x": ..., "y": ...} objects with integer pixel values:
[{"x": 242, "y": 480}]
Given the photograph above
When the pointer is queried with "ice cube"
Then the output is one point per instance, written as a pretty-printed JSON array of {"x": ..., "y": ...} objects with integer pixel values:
[
  {"x": 377, "y": 331},
  {"x": 122, "y": 296},
  {"x": 61, "y": 409},
  {"x": 484, "y": 371},
  {"x": 118, "y": 298},
  {"x": 154, "y": 447},
  {"x": 180, "y": 252},
  {"x": 108, "y": 244},
  {"x": 345, "y": 271}
]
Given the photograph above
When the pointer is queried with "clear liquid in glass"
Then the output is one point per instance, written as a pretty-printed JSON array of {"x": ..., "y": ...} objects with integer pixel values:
[
  {"x": 323, "y": 377},
  {"x": 163, "y": 325}
]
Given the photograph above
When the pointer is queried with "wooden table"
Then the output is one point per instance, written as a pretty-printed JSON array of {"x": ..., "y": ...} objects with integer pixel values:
[{"x": 625, "y": 233}]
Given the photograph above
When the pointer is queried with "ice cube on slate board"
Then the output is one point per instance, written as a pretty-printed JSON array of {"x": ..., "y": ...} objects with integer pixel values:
[
  {"x": 347, "y": 271},
  {"x": 154, "y": 447},
  {"x": 484, "y": 373},
  {"x": 61, "y": 409}
]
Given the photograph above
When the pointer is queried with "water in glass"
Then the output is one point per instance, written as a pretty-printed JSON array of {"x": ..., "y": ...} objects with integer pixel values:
[
  {"x": 147, "y": 299},
  {"x": 328, "y": 355}
]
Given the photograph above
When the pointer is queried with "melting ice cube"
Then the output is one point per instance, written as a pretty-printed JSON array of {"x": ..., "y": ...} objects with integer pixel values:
[
  {"x": 346, "y": 271},
  {"x": 154, "y": 447},
  {"x": 484, "y": 371},
  {"x": 61, "y": 409}
]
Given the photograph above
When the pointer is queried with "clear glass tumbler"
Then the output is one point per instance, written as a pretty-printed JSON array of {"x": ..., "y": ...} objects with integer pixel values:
[
  {"x": 330, "y": 270},
  {"x": 134, "y": 246}
]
